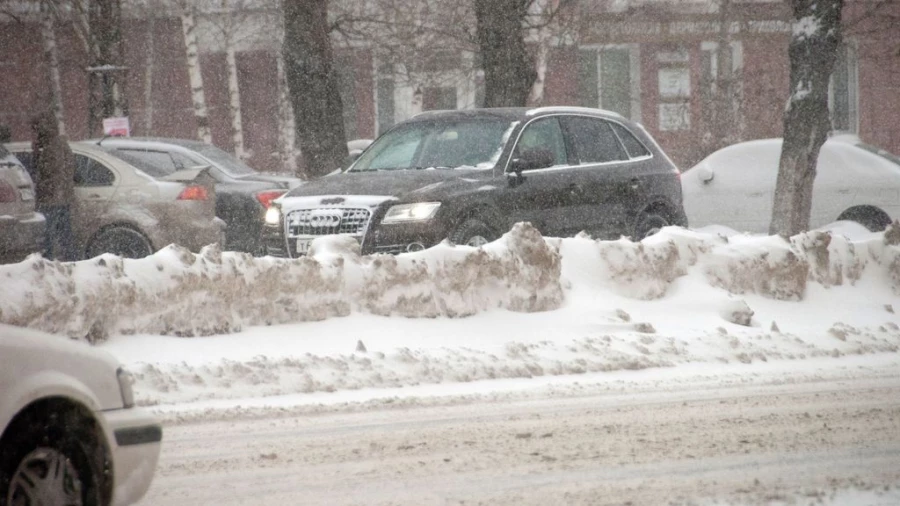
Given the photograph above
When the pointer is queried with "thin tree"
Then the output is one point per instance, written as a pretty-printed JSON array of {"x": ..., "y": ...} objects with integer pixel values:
[
  {"x": 313, "y": 84},
  {"x": 192, "y": 51},
  {"x": 816, "y": 36},
  {"x": 509, "y": 71},
  {"x": 51, "y": 59},
  {"x": 106, "y": 71}
]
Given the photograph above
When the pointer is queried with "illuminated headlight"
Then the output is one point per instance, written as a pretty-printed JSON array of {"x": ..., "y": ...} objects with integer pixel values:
[
  {"x": 273, "y": 215},
  {"x": 126, "y": 380},
  {"x": 419, "y": 211}
]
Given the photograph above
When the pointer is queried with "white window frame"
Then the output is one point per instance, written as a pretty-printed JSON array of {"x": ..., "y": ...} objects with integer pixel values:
[{"x": 634, "y": 61}]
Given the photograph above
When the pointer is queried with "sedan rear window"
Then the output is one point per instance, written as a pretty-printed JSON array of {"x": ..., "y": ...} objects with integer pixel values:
[{"x": 147, "y": 161}]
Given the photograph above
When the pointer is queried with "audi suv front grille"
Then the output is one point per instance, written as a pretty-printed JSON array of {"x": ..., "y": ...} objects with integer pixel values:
[{"x": 327, "y": 221}]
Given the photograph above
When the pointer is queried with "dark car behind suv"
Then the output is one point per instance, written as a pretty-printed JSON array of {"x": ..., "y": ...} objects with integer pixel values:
[{"x": 469, "y": 175}]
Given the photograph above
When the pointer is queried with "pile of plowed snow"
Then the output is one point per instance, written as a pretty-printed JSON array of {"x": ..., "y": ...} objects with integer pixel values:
[
  {"x": 520, "y": 307},
  {"x": 175, "y": 292}
]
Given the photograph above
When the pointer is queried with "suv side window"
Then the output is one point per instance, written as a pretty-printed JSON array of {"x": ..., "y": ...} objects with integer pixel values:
[
  {"x": 543, "y": 136},
  {"x": 634, "y": 147},
  {"x": 594, "y": 140},
  {"x": 90, "y": 172}
]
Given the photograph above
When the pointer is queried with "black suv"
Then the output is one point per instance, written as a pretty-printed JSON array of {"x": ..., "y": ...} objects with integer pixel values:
[{"x": 470, "y": 175}]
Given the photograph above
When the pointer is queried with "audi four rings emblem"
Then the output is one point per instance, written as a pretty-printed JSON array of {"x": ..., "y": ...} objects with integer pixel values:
[{"x": 324, "y": 220}]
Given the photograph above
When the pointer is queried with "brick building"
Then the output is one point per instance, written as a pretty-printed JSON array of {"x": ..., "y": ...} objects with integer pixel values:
[{"x": 663, "y": 63}]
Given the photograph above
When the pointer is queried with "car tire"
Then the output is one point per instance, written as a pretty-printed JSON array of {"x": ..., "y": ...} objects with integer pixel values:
[
  {"x": 473, "y": 232},
  {"x": 40, "y": 451},
  {"x": 649, "y": 224},
  {"x": 122, "y": 241},
  {"x": 874, "y": 219}
]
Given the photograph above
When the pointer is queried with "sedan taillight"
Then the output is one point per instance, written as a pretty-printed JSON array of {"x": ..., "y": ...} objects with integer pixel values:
[
  {"x": 265, "y": 198},
  {"x": 194, "y": 193}
]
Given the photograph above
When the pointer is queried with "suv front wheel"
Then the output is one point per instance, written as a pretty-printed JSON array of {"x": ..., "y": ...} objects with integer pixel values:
[{"x": 473, "y": 232}]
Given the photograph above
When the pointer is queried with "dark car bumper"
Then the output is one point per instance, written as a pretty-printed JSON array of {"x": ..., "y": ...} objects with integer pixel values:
[
  {"x": 391, "y": 239},
  {"x": 21, "y": 236}
]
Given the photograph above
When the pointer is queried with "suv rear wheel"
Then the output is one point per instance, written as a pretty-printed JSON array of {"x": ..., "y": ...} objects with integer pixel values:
[
  {"x": 649, "y": 224},
  {"x": 473, "y": 232}
]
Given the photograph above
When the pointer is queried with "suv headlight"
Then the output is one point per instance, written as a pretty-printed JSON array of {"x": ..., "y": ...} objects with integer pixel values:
[
  {"x": 420, "y": 211},
  {"x": 273, "y": 215},
  {"x": 126, "y": 380}
]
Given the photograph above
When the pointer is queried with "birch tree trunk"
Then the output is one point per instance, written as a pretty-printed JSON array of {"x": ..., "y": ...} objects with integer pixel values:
[
  {"x": 313, "y": 84},
  {"x": 536, "y": 96},
  {"x": 234, "y": 91},
  {"x": 196, "y": 78},
  {"x": 51, "y": 58},
  {"x": 812, "y": 51},
  {"x": 508, "y": 70},
  {"x": 149, "y": 61},
  {"x": 234, "y": 101},
  {"x": 287, "y": 129}
]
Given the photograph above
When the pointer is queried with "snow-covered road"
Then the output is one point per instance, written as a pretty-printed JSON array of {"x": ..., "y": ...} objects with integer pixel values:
[{"x": 798, "y": 442}]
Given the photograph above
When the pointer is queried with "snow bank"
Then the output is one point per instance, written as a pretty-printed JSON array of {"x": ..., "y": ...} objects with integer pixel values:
[{"x": 175, "y": 292}]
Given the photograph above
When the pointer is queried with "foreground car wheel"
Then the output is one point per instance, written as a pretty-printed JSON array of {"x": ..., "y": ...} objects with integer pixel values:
[
  {"x": 121, "y": 241},
  {"x": 473, "y": 233},
  {"x": 648, "y": 225},
  {"x": 51, "y": 464}
]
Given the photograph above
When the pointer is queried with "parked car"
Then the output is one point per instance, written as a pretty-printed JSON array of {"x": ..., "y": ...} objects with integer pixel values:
[
  {"x": 132, "y": 208},
  {"x": 21, "y": 227},
  {"x": 735, "y": 186},
  {"x": 242, "y": 194},
  {"x": 469, "y": 175},
  {"x": 70, "y": 431}
]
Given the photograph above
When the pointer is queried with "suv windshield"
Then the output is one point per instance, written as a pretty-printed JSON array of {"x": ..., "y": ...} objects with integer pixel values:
[{"x": 468, "y": 143}]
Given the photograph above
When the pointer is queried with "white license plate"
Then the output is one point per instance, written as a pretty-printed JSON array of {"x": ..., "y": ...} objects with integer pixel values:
[
  {"x": 303, "y": 246},
  {"x": 26, "y": 194}
]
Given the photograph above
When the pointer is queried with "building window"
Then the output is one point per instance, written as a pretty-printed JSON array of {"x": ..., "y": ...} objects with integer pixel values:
[
  {"x": 608, "y": 78},
  {"x": 674, "y": 86},
  {"x": 721, "y": 89},
  {"x": 439, "y": 98},
  {"x": 346, "y": 71},
  {"x": 843, "y": 90},
  {"x": 384, "y": 96}
]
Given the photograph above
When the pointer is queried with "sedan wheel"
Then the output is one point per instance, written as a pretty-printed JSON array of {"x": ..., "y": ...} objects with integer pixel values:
[{"x": 45, "y": 477}]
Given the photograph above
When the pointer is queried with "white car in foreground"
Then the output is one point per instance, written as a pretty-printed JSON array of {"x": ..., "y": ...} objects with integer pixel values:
[
  {"x": 70, "y": 432},
  {"x": 735, "y": 186}
]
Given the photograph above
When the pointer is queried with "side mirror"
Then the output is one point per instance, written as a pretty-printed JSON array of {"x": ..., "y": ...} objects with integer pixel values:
[
  {"x": 531, "y": 159},
  {"x": 705, "y": 173}
]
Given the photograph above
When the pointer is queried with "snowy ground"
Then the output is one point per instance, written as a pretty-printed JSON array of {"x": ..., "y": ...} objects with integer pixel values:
[{"x": 523, "y": 318}]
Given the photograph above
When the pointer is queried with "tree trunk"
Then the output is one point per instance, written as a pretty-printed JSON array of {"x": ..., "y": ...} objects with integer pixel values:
[
  {"x": 313, "y": 84},
  {"x": 287, "y": 129},
  {"x": 148, "y": 73},
  {"x": 234, "y": 101},
  {"x": 108, "y": 73},
  {"x": 196, "y": 78},
  {"x": 51, "y": 58},
  {"x": 508, "y": 70},
  {"x": 536, "y": 96},
  {"x": 813, "y": 51}
]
